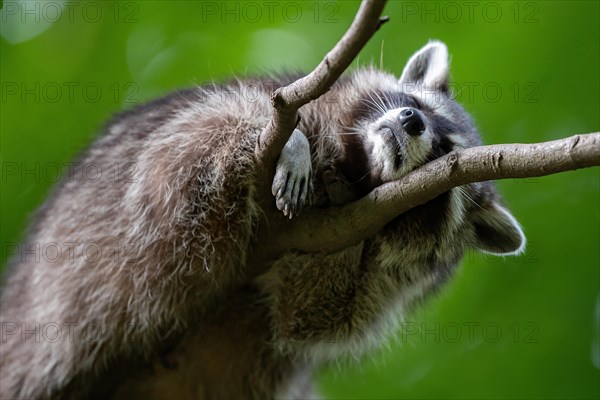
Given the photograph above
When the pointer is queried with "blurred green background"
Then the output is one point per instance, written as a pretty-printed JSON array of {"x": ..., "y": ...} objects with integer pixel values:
[{"x": 515, "y": 327}]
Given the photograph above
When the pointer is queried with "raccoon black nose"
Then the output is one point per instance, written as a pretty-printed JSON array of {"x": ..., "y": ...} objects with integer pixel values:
[{"x": 412, "y": 121}]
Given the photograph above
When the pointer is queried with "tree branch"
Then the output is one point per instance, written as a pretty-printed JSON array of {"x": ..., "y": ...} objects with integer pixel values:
[
  {"x": 287, "y": 100},
  {"x": 334, "y": 229}
]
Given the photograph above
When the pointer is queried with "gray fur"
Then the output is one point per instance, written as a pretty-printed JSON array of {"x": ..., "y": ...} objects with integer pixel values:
[{"x": 186, "y": 218}]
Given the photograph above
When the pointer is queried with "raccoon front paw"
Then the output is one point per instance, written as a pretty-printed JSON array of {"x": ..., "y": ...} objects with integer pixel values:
[{"x": 293, "y": 175}]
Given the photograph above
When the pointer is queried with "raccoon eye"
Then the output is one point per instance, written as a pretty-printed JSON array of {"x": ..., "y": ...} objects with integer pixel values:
[{"x": 415, "y": 103}]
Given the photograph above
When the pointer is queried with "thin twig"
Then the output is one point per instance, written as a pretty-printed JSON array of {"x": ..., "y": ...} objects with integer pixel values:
[{"x": 287, "y": 100}]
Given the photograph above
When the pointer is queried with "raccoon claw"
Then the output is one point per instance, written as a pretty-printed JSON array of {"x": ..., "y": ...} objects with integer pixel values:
[{"x": 293, "y": 175}]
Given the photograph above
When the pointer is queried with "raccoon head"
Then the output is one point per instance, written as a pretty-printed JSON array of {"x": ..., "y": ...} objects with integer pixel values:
[
  {"x": 408, "y": 121},
  {"x": 415, "y": 119}
]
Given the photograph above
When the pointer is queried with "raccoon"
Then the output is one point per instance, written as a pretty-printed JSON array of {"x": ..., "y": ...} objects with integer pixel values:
[{"x": 173, "y": 234}]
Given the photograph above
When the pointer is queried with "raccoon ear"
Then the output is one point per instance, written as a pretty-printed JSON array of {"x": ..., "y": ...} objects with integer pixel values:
[
  {"x": 497, "y": 231},
  {"x": 428, "y": 66}
]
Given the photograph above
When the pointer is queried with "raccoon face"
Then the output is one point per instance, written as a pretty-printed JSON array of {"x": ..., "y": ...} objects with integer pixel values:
[
  {"x": 415, "y": 120},
  {"x": 405, "y": 123}
]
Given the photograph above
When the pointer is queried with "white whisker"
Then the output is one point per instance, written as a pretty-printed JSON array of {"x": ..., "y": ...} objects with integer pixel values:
[{"x": 466, "y": 194}]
